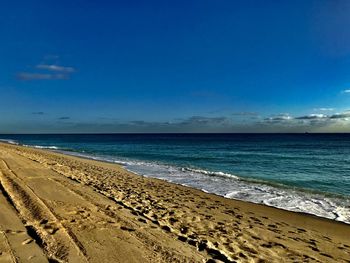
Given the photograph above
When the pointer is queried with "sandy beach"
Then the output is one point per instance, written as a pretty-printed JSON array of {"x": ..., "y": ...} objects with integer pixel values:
[{"x": 58, "y": 208}]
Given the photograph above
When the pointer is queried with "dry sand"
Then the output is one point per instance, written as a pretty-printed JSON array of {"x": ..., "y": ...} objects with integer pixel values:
[{"x": 59, "y": 208}]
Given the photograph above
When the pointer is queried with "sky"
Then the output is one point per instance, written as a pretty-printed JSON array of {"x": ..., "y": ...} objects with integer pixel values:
[{"x": 84, "y": 66}]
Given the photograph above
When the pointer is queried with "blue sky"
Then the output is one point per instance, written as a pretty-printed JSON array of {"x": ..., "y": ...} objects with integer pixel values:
[{"x": 174, "y": 66}]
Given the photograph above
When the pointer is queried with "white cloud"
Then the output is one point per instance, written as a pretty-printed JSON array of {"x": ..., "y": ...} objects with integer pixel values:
[
  {"x": 48, "y": 71},
  {"x": 324, "y": 109},
  {"x": 56, "y": 68},
  {"x": 280, "y": 117},
  {"x": 343, "y": 115}
]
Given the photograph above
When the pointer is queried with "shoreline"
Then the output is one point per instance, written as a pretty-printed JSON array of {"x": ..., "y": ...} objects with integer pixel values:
[
  {"x": 202, "y": 190},
  {"x": 333, "y": 206},
  {"x": 206, "y": 225}
]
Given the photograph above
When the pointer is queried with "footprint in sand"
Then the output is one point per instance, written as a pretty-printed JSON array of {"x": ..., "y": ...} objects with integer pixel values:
[
  {"x": 326, "y": 255},
  {"x": 127, "y": 229},
  {"x": 142, "y": 220},
  {"x": 300, "y": 230},
  {"x": 166, "y": 228}
]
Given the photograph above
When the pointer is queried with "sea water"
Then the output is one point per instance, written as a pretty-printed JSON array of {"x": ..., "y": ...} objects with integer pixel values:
[{"x": 299, "y": 172}]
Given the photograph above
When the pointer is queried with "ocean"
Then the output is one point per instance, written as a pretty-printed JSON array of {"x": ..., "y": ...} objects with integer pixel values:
[{"x": 307, "y": 173}]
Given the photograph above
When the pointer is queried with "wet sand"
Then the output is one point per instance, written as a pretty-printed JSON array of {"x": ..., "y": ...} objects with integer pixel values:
[{"x": 60, "y": 208}]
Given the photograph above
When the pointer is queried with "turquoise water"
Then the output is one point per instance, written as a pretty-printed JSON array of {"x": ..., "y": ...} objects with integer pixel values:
[{"x": 299, "y": 172}]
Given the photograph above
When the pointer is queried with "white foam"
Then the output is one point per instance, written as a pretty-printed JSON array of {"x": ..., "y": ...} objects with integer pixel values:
[
  {"x": 10, "y": 141},
  {"x": 210, "y": 173},
  {"x": 43, "y": 147},
  {"x": 297, "y": 201}
]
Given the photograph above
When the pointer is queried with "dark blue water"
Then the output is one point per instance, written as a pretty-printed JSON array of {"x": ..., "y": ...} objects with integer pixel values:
[{"x": 299, "y": 172}]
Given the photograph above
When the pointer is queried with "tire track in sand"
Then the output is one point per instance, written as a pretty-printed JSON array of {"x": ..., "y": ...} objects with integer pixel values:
[{"x": 40, "y": 222}]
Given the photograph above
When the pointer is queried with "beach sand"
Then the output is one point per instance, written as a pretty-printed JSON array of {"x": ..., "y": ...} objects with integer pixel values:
[{"x": 58, "y": 208}]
